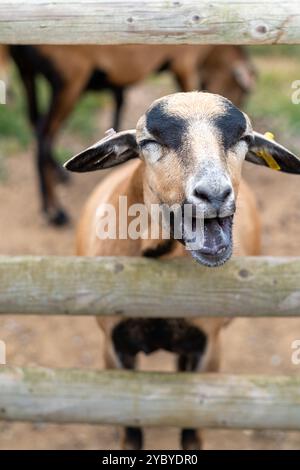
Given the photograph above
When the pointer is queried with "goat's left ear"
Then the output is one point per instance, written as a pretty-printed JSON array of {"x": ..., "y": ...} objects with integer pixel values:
[
  {"x": 265, "y": 151},
  {"x": 116, "y": 148}
]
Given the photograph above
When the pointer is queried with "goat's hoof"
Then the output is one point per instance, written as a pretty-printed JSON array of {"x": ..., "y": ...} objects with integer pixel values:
[
  {"x": 59, "y": 218},
  {"x": 190, "y": 440},
  {"x": 132, "y": 439}
]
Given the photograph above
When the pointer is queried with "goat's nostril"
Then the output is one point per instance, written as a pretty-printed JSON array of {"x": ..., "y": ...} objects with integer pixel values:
[
  {"x": 226, "y": 193},
  {"x": 202, "y": 194},
  {"x": 212, "y": 197}
]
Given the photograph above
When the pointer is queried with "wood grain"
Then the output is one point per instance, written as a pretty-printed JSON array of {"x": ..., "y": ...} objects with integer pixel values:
[
  {"x": 150, "y": 399},
  {"x": 144, "y": 22},
  {"x": 139, "y": 287}
]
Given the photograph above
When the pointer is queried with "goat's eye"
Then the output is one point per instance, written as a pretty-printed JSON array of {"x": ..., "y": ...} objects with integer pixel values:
[
  {"x": 247, "y": 139},
  {"x": 144, "y": 143}
]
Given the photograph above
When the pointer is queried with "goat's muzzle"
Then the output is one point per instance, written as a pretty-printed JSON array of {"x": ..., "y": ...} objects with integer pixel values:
[{"x": 209, "y": 242}]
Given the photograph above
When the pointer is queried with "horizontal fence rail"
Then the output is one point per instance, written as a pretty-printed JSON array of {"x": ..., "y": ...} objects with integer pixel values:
[
  {"x": 139, "y": 287},
  {"x": 145, "y": 22},
  {"x": 150, "y": 399}
]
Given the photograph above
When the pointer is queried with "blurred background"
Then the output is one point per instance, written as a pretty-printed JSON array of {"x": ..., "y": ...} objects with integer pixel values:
[{"x": 249, "y": 346}]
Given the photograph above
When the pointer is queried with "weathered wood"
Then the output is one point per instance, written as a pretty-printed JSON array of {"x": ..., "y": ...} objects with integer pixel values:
[
  {"x": 148, "y": 288},
  {"x": 155, "y": 22},
  {"x": 140, "y": 287},
  {"x": 150, "y": 399}
]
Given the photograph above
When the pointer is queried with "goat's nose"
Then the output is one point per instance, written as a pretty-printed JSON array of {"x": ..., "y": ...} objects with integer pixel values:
[{"x": 216, "y": 198}]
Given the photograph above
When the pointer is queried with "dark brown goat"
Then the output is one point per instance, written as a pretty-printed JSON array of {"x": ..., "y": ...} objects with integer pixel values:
[{"x": 71, "y": 70}]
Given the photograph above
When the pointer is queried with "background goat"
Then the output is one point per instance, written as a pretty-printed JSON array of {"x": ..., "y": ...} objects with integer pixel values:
[
  {"x": 71, "y": 70},
  {"x": 187, "y": 148}
]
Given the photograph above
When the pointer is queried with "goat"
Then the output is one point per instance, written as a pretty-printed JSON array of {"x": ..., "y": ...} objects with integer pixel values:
[
  {"x": 186, "y": 148},
  {"x": 71, "y": 70}
]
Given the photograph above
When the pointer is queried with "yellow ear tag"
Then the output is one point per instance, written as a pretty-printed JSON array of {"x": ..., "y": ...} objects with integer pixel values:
[
  {"x": 269, "y": 159},
  {"x": 269, "y": 135}
]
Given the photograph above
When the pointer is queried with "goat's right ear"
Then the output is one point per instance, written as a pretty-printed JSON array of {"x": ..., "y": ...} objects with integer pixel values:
[{"x": 112, "y": 150}]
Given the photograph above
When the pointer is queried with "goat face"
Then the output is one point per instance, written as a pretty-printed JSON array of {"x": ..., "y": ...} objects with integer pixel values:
[{"x": 193, "y": 146}]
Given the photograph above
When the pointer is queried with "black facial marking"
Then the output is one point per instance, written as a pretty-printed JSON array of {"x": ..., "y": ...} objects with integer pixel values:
[
  {"x": 231, "y": 125},
  {"x": 168, "y": 129},
  {"x": 148, "y": 335}
]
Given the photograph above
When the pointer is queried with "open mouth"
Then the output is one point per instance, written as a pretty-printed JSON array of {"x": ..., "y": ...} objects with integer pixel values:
[{"x": 216, "y": 244}]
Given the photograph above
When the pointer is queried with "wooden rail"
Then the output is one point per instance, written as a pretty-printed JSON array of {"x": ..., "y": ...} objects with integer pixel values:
[
  {"x": 150, "y": 399},
  {"x": 138, "y": 287},
  {"x": 145, "y": 22}
]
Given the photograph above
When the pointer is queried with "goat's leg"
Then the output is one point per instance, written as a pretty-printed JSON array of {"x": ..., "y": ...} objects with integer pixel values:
[
  {"x": 131, "y": 437},
  {"x": 29, "y": 78},
  {"x": 62, "y": 103},
  {"x": 119, "y": 102},
  {"x": 51, "y": 207},
  {"x": 190, "y": 439},
  {"x": 60, "y": 174},
  {"x": 43, "y": 152},
  {"x": 29, "y": 82},
  {"x": 187, "y": 82}
]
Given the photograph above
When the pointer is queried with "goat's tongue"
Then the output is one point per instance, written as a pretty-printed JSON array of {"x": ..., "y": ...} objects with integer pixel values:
[{"x": 216, "y": 235}]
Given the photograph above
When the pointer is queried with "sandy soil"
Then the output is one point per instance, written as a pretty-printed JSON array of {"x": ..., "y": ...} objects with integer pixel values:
[{"x": 249, "y": 346}]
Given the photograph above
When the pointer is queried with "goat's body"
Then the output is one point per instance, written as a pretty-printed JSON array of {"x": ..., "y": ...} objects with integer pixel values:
[
  {"x": 186, "y": 153},
  {"x": 126, "y": 65},
  {"x": 126, "y": 181}
]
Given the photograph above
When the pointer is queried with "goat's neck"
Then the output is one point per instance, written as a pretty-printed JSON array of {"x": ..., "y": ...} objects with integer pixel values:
[{"x": 139, "y": 191}]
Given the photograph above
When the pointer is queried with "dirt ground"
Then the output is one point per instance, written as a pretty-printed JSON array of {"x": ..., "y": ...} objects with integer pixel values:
[{"x": 249, "y": 346}]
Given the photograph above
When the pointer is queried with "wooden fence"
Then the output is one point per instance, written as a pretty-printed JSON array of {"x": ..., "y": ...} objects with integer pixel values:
[
  {"x": 149, "y": 288},
  {"x": 150, "y": 398},
  {"x": 138, "y": 287},
  {"x": 151, "y": 22}
]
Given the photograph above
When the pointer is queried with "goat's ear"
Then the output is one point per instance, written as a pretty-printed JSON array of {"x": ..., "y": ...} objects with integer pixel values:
[
  {"x": 265, "y": 151},
  {"x": 116, "y": 148}
]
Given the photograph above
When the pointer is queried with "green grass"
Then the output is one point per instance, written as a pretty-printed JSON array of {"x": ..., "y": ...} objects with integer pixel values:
[
  {"x": 276, "y": 50},
  {"x": 272, "y": 99}
]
